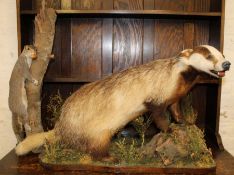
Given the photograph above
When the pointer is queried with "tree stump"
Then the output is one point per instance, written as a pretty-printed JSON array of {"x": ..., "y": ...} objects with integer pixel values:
[{"x": 43, "y": 41}]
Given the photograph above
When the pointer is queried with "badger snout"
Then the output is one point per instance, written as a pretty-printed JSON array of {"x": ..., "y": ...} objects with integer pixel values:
[{"x": 226, "y": 65}]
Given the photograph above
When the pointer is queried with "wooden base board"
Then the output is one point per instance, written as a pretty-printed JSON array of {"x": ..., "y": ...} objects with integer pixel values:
[{"x": 13, "y": 165}]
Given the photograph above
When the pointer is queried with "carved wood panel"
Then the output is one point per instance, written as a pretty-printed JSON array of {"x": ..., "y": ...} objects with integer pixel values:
[
  {"x": 86, "y": 49},
  {"x": 169, "y": 38},
  {"x": 128, "y": 34}
]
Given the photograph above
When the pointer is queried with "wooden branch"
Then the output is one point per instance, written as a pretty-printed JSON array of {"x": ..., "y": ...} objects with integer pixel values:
[{"x": 44, "y": 37}]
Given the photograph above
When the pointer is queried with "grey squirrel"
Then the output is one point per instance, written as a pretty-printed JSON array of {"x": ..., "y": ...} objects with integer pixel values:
[{"x": 17, "y": 94}]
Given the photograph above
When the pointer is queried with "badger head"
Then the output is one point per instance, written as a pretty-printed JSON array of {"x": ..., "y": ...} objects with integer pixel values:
[{"x": 206, "y": 59}]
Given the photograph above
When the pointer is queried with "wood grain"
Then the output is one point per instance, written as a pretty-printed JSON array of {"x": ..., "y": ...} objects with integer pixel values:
[
  {"x": 128, "y": 4},
  {"x": 169, "y": 5},
  {"x": 11, "y": 164},
  {"x": 188, "y": 34},
  {"x": 128, "y": 35},
  {"x": 169, "y": 38},
  {"x": 199, "y": 99},
  {"x": 66, "y": 4},
  {"x": 65, "y": 47},
  {"x": 201, "y": 30},
  {"x": 86, "y": 49},
  {"x": 215, "y": 35},
  {"x": 216, "y": 6},
  {"x": 149, "y": 4},
  {"x": 107, "y": 46},
  {"x": 202, "y": 5},
  {"x": 87, "y": 4},
  {"x": 148, "y": 39}
]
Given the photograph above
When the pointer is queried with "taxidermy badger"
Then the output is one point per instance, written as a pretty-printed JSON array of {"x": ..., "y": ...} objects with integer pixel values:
[
  {"x": 95, "y": 112},
  {"x": 17, "y": 94}
]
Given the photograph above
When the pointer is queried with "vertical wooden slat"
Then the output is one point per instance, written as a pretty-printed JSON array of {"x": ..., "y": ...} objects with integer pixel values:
[
  {"x": 201, "y": 32},
  {"x": 199, "y": 99},
  {"x": 148, "y": 40},
  {"x": 86, "y": 49},
  {"x": 66, "y": 4},
  {"x": 107, "y": 41},
  {"x": 128, "y": 36},
  {"x": 108, "y": 4},
  {"x": 188, "y": 34},
  {"x": 107, "y": 47},
  {"x": 169, "y": 39},
  {"x": 202, "y": 5},
  {"x": 87, "y": 4},
  {"x": 128, "y": 4},
  {"x": 214, "y": 38},
  {"x": 169, "y": 5},
  {"x": 189, "y": 5},
  {"x": 66, "y": 47},
  {"x": 216, "y": 5}
]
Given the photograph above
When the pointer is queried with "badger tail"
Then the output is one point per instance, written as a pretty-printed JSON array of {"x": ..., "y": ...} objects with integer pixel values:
[{"x": 34, "y": 141}]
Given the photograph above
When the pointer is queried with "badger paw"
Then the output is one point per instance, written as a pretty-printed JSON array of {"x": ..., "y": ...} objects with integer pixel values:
[{"x": 35, "y": 82}]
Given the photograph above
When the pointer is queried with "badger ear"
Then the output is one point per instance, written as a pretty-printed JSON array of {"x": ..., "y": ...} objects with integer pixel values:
[{"x": 185, "y": 53}]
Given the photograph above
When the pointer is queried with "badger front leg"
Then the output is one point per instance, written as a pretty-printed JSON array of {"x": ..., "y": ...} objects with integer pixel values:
[
  {"x": 158, "y": 114},
  {"x": 176, "y": 113},
  {"x": 160, "y": 119}
]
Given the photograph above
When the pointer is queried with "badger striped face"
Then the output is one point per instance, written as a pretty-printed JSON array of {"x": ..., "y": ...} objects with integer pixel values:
[{"x": 209, "y": 60}]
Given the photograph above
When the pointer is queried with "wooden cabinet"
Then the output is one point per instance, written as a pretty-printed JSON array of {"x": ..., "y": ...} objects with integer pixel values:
[{"x": 96, "y": 38}]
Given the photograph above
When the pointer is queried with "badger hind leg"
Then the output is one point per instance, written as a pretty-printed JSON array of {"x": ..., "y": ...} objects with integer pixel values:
[
  {"x": 18, "y": 127},
  {"x": 99, "y": 147}
]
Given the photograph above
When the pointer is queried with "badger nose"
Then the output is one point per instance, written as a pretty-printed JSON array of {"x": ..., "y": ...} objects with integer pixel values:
[{"x": 226, "y": 65}]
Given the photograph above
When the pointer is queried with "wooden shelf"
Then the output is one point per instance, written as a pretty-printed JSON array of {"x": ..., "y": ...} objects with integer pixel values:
[
  {"x": 128, "y": 12},
  {"x": 12, "y": 164}
]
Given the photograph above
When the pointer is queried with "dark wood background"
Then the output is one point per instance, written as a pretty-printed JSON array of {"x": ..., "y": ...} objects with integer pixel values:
[{"x": 88, "y": 48}]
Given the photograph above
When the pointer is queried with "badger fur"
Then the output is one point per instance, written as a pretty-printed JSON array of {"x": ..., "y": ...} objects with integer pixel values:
[{"x": 95, "y": 112}]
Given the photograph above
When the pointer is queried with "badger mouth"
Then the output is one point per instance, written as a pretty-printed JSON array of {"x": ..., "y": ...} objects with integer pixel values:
[{"x": 219, "y": 73}]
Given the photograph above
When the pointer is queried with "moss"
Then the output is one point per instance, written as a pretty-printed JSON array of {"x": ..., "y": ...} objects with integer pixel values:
[
  {"x": 190, "y": 115},
  {"x": 129, "y": 151},
  {"x": 187, "y": 140},
  {"x": 54, "y": 108},
  {"x": 141, "y": 124}
]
